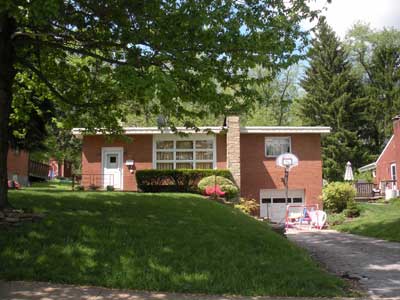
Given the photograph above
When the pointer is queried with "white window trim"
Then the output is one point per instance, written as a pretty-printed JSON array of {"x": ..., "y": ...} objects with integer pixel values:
[
  {"x": 192, "y": 137},
  {"x": 103, "y": 162},
  {"x": 276, "y": 137},
  {"x": 391, "y": 171}
]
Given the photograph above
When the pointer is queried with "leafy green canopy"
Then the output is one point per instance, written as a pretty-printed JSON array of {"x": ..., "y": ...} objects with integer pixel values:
[
  {"x": 376, "y": 57},
  {"x": 176, "y": 58}
]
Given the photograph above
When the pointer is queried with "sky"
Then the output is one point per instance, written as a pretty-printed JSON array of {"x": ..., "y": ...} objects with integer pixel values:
[{"x": 342, "y": 14}]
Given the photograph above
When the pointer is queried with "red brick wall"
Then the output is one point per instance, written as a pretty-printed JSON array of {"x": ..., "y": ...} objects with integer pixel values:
[
  {"x": 383, "y": 164},
  {"x": 17, "y": 163},
  {"x": 391, "y": 154},
  {"x": 139, "y": 149},
  {"x": 259, "y": 172}
]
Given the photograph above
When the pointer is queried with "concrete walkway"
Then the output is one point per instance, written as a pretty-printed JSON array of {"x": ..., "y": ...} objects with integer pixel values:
[
  {"x": 19, "y": 290},
  {"x": 374, "y": 263}
]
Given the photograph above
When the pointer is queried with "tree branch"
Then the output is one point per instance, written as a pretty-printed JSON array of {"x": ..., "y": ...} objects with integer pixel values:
[
  {"x": 33, "y": 38},
  {"x": 43, "y": 78}
]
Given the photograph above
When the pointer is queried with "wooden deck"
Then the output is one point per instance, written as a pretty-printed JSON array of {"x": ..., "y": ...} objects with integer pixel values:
[
  {"x": 38, "y": 170},
  {"x": 365, "y": 192}
]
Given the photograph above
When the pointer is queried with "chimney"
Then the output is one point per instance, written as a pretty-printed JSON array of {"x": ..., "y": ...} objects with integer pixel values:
[
  {"x": 233, "y": 147},
  {"x": 396, "y": 126}
]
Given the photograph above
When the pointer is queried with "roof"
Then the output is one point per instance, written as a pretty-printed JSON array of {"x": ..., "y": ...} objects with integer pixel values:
[
  {"x": 384, "y": 149},
  {"x": 372, "y": 166},
  {"x": 216, "y": 129},
  {"x": 285, "y": 129},
  {"x": 368, "y": 167}
]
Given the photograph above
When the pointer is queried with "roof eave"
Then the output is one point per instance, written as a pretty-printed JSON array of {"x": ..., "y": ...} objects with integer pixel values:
[{"x": 286, "y": 129}]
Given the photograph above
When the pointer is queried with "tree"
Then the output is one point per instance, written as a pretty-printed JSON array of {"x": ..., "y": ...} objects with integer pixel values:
[
  {"x": 89, "y": 56},
  {"x": 376, "y": 57},
  {"x": 333, "y": 98},
  {"x": 277, "y": 99}
]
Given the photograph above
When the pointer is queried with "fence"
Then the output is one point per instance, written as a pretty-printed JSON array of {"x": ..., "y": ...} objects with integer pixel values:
[
  {"x": 365, "y": 189},
  {"x": 38, "y": 170},
  {"x": 96, "y": 181}
]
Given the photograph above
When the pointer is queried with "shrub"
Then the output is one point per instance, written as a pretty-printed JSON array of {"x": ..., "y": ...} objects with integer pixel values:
[
  {"x": 181, "y": 180},
  {"x": 248, "y": 206},
  {"x": 336, "y": 195},
  {"x": 93, "y": 187},
  {"x": 79, "y": 188},
  {"x": 352, "y": 210},
  {"x": 226, "y": 185},
  {"x": 110, "y": 188}
]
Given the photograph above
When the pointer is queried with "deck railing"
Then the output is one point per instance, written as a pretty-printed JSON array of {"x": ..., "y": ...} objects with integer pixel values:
[
  {"x": 96, "y": 181},
  {"x": 365, "y": 189},
  {"x": 38, "y": 170}
]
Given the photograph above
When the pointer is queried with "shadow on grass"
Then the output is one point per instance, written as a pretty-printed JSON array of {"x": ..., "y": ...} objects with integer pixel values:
[{"x": 162, "y": 242}]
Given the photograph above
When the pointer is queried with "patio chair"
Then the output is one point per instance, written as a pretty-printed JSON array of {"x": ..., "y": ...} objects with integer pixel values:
[
  {"x": 318, "y": 219},
  {"x": 305, "y": 217}
]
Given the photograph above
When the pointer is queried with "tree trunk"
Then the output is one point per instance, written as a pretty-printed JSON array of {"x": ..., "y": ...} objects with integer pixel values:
[{"x": 7, "y": 74}]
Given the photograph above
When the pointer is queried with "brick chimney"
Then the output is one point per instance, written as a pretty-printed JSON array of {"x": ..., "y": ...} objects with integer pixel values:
[
  {"x": 396, "y": 126},
  {"x": 396, "y": 140},
  {"x": 233, "y": 147}
]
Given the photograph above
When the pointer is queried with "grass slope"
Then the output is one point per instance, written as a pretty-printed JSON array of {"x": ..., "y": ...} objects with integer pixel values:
[
  {"x": 158, "y": 242},
  {"x": 380, "y": 221}
]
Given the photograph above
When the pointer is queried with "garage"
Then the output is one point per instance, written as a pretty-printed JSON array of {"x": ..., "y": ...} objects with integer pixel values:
[{"x": 273, "y": 206}]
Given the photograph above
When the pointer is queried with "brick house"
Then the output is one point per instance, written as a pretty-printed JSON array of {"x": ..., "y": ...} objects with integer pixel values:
[
  {"x": 18, "y": 166},
  {"x": 60, "y": 168},
  {"x": 248, "y": 152},
  {"x": 384, "y": 169}
]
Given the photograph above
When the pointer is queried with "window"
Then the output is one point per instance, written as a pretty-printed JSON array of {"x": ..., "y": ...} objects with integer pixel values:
[
  {"x": 111, "y": 161},
  {"x": 184, "y": 153},
  {"x": 266, "y": 200},
  {"x": 275, "y": 146},
  {"x": 393, "y": 171},
  {"x": 280, "y": 200},
  {"x": 297, "y": 200}
]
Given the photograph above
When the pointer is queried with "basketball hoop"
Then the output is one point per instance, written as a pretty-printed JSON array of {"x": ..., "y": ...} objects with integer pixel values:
[{"x": 287, "y": 161}]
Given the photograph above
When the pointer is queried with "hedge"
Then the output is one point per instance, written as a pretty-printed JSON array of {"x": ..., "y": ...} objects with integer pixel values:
[{"x": 181, "y": 180}]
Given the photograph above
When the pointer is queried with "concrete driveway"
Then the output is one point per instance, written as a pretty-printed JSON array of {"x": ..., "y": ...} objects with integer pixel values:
[
  {"x": 20, "y": 290},
  {"x": 374, "y": 263}
]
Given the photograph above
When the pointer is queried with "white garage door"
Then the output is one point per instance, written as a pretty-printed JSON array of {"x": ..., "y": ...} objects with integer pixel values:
[{"x": 272, "y": 203}]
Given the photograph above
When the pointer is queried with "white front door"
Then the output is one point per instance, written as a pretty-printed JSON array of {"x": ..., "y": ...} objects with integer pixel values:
[
  {"x": 273, "y": 206},
  {"x": 112, "y": 167}
]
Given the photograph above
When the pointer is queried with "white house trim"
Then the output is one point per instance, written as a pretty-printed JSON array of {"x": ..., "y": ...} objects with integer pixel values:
[
  {"x": 285, "y": 129},
  {"x": 393, "y": 175},
  {"x": 384, "y": 149},
  {"x": 78, "y": 132},
  {"x": 369, "y": 167}
]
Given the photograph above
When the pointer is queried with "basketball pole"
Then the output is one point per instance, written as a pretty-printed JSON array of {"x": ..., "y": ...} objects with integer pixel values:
[{"x": 286, "y": 181}]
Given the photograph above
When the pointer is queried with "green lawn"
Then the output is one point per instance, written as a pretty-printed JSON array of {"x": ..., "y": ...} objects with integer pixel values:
[
  {"x": 376, "y": 220},
  {"x": 157, "y": 242}
]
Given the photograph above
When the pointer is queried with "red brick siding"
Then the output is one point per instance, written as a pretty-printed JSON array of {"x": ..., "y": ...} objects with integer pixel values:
[
  {"x": 259, "y": 172},
  {"x": 17, "y": 163},
  {"x": 389, "y": 156},
  {"x": 139, "y": 149}
]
